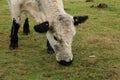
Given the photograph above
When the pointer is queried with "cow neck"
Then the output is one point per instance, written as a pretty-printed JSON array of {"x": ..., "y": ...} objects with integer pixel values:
[{"x": 52, "y": 9}]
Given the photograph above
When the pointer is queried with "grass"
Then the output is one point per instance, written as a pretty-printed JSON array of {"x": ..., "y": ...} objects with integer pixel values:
[{"x": 99, "y": 37}]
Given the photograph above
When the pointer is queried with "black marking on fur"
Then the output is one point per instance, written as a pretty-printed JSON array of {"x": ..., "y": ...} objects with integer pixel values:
[
  {"x": 79, "y": 19},
  {"x": 14, "y": 35},
  {"x": 26, "y": 29},
  {"x": 38, "y": 2},
  {"x": 42, "y": 28}
]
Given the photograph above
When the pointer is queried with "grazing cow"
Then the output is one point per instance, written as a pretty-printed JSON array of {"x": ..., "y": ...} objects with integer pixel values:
[{"x": 51, "y": 18}]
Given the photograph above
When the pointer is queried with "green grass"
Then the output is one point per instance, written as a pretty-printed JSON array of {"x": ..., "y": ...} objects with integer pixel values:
[{"x": 99, "y": 36}]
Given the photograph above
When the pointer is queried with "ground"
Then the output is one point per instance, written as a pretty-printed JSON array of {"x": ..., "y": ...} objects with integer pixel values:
[{"x": 96, "y": 46}]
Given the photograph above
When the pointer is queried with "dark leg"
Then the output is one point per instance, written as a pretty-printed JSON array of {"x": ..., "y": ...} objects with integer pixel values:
[
  {"x": 26, "y": 29},
  {"x": 49, "y": 48},
  {"x": 14, "y": 36}
]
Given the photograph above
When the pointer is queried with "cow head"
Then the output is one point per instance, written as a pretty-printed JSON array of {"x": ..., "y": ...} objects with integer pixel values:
[{"x": 60, "y": 35}]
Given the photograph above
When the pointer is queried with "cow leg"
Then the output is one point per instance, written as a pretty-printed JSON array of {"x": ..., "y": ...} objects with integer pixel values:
[
  {"x": 16, "y": 18},
  {"x": 26, "y": 29},
  {"x": 14, "y": 35},
  {"x": 49, "y": 48}
]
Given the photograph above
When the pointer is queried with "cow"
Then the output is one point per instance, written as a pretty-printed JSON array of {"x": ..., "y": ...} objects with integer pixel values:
[{"x": 52, "y": 19}]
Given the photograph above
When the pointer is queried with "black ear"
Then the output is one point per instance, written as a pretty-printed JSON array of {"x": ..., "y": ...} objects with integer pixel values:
[
  {"x": 79, "y": 19},
  {"x": 42, "y": 28}
]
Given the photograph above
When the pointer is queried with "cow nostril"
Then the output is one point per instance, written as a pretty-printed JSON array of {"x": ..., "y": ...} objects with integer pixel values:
[{"x": 64, "y": 63}]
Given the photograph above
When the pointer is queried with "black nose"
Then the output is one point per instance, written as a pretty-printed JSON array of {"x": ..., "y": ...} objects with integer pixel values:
[{"x": 64, "y": 63}]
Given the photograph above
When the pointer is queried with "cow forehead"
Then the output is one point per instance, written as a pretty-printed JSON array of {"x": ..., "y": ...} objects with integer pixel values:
[
  {"x": 64, "y": 29},
  {"x": 63, "y": 23}
]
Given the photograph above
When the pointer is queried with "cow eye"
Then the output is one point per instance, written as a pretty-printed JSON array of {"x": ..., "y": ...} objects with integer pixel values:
[{"x": 55, "y": 38}]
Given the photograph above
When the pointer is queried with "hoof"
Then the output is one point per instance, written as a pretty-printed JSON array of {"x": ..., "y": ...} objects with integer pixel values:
[
  {"x": 26, "y": 33},
  {"x": 13, "y": 47}
]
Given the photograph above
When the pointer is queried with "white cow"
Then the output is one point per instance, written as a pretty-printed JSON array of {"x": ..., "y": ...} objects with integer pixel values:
[{"x": 51, "y": 18}]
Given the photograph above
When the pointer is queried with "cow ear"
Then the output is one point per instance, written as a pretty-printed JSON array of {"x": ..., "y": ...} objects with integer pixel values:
[
  {"x": 42, "y": 28},
  {"x": 79, "y": 19}
]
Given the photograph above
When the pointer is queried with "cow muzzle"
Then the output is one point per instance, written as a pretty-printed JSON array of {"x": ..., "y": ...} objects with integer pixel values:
[{"x": 65, "y": 63}]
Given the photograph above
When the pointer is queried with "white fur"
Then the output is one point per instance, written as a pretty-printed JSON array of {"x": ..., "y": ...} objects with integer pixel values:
[
  {"x": 52, "y": 11},
  {"x": 40, "y": 13}
]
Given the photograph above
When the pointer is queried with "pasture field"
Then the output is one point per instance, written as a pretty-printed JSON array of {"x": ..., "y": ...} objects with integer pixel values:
[{"x": 96, "y": 46}]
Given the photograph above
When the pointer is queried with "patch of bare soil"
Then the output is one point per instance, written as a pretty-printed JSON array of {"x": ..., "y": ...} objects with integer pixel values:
[
  {"x": 89, "y": 0},
  {"x": 102, "y": 5}
]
